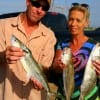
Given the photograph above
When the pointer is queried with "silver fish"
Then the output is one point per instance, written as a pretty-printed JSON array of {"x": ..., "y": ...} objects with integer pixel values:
[
  {"x": 31, "y": 67},
  {"x": 68, "y": 73},
  {"x": 90, "y": 77}
]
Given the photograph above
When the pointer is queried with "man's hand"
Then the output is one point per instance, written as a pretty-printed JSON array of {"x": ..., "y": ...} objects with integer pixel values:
[
  {"x": 37, "y": 85},
  {"x": 13, "y": 54}
]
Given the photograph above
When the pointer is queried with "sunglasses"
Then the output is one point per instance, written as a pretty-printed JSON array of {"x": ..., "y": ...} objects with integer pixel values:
[
  {"x": 37, "y": 5},
  {"x": 83, "y": 5}
]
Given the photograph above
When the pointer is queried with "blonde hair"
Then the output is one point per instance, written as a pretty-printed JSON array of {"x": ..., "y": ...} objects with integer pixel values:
[{"x": 81, "y": 9}]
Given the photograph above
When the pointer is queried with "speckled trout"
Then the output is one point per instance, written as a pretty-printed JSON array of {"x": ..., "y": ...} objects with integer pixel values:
[
  {"x": 29, "y": 64},
  {"x": 68, "y": 73},
  {"x": 90, "y": 77}
]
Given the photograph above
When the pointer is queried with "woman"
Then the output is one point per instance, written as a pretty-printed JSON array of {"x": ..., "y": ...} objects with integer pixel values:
[{"x": 81, "y": 47}]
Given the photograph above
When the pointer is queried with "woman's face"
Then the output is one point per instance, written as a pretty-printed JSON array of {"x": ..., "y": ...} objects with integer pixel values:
[
  {"x": 34, "y": 14},
  {"x": 77, "y": 22}
]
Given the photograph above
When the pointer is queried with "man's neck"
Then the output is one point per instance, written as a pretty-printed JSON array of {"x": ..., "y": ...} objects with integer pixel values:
[{"x": 28, "y": 25}]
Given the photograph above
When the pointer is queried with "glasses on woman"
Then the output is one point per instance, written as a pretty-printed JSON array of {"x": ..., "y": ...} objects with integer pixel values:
[
  {"x": 37, "y": 4},
  {"x": 83, "y": 5}
]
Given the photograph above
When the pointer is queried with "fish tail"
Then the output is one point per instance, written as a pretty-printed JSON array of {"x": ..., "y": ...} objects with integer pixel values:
[
  {"x": 53, "y": 96},
  {"x": 81, "y": 97},
  {"x": 48, "y": 95},
  {"x": 68, "y": 97}
]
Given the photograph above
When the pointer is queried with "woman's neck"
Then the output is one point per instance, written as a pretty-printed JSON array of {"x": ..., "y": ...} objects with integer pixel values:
[{"x": 77, "y": 42}]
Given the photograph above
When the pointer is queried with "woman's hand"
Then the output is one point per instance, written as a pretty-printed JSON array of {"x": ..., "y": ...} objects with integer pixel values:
[
  {"x": 57, "y": 63},
  {"x": 97, "y": 66},
  {"x": 13, "y": 54}
]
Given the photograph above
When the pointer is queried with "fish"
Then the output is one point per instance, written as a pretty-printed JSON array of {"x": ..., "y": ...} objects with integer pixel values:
[
  {"x": 68, "y": 73},
  {"x": 90, "y": 76},
  {"x": 32, "y": 68}
]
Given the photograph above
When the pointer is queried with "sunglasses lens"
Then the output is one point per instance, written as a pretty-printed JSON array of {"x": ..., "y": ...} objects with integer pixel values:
[
  {"x": 83, "y": 5},
  {"x": 45, "y": 8},
  {"x": 75, "y": 4},
  {"x": 37, "y": 5}
]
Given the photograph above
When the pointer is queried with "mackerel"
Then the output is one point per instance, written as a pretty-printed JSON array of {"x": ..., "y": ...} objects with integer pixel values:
[
  {"x": 68, "y": 73},
  {"x": 29, "y": 64},
  {"x": 90, "y": 77}
]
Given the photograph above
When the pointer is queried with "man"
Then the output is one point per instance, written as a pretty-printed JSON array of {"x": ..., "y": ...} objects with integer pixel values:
[{"x": 38, "y": 38}]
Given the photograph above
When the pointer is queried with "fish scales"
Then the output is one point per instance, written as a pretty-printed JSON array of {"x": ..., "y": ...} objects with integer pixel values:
[
  {"x": 32, "y": 68},
  {"x": 90, "y": 77},
  {"x": 68, "y": 73}
]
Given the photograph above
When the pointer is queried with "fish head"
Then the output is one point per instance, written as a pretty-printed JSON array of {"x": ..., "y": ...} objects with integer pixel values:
[
  {"x": 66, "y": 56},
  {"x": 17, "y": 43}
]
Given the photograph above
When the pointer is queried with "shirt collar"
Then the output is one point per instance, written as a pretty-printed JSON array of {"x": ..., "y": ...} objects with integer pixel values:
[{"x": 18, "y": 23}]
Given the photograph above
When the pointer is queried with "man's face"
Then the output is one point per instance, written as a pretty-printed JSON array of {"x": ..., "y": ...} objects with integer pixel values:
[{"x": 35, "y": 11}]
